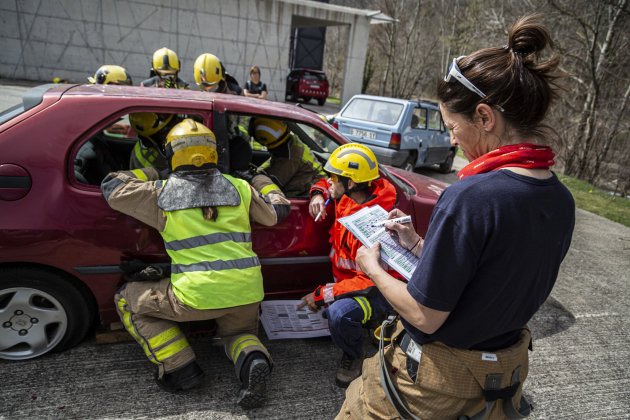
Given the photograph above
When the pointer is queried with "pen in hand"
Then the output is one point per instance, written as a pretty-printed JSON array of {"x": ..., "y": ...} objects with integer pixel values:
[
  {"x": 403, "y": 219},
  {"x": 320, "y": 212}
]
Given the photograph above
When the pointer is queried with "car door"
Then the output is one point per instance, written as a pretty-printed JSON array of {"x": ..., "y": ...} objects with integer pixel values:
[
  {"x": 293, "y": 253},
  {"x": 111, "y": 236},
  {"x": 439, "y": 143},
  {"x": 418, "y": 135}
]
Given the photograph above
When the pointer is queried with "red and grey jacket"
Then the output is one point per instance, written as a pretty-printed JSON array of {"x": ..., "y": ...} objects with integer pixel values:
[{"x": 349, "y": 280}]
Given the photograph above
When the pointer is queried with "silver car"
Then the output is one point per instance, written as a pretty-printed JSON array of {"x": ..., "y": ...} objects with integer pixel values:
[{"x": 404, "y": 133}]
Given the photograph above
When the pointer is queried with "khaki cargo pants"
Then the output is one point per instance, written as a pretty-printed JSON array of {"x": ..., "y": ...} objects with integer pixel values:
[
  {"x": 150, "y": 312},
  {"x": 448, "y": 382}
]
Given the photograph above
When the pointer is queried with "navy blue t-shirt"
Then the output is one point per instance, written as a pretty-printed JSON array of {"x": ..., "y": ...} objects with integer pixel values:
[
  {"x": 491, "y": 257},
  {"x": 255, "y": 88}
]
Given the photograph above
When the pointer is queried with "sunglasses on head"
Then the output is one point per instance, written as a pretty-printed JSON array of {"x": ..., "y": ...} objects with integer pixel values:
[{"x": 455, "y": 72}]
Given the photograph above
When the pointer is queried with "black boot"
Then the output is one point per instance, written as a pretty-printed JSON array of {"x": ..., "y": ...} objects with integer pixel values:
[
  {"x": 254, "y": 375},
  {"x": 184, "y": 378},
  {"x": 349, "y": 369}
]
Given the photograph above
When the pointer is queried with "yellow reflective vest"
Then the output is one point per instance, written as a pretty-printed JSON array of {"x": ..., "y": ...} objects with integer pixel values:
[{"x": 213, "y": 265}]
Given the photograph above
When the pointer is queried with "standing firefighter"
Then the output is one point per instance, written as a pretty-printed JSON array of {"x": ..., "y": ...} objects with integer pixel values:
[
  {"x": 204, "y": 219},
  {"x": 165, "y": 68}
]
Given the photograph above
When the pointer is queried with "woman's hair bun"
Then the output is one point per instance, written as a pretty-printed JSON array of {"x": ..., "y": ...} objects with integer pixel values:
[{"x": 528, "y": 36}]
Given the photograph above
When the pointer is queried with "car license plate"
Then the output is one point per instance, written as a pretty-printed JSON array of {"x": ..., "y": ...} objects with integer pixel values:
[
  {"x": 363, "y": 134},
  {"x": 314, "y": 86}
]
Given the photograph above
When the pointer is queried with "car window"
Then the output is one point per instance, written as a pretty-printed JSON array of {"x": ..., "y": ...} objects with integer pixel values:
[
  {"x": 324, "y": 142},
  {"x": 371, "y": 110},
  {"x": 419, "y": 118},
  {"x": 313, "y": 76},
  {"x": 435, "y": 119},
  {"x": 117, "y": 146}
]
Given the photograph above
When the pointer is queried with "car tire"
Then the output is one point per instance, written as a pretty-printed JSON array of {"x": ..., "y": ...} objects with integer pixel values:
[
  {"x": 410, "y": 164},
  {"x": 321, "y": 101},
  {"x": 40, "y": 312},
  {"x": 447, "y": 165}
]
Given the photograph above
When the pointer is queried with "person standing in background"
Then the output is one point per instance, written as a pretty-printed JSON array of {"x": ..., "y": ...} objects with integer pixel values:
[{"x": 254, "y": 88}]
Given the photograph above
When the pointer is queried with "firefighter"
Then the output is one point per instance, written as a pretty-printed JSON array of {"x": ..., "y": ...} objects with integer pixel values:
[
  {"x": 152, "y": 130},
  {"x": 111, "y": 75},
  {"x": 210, "y": 76},
  {"x": 352, "y": 300},
  {"x": 204, "y": 218},
  {"x": 292, "y": 164},
  {"x": 165, "y": 68}
]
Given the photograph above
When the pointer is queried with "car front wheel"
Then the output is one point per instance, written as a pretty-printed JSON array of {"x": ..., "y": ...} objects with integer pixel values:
[
  {"x": 447, "y": 165},
  {"x": 40, "y": 312}
]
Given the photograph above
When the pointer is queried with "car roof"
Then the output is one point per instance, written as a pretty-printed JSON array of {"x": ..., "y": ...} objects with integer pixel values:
[
  {"x": 423, "y": 102},
  {"x": 305, "y": 69}
]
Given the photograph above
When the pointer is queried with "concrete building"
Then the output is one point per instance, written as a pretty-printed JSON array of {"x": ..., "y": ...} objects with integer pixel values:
[{"x": 70, "y": 39}]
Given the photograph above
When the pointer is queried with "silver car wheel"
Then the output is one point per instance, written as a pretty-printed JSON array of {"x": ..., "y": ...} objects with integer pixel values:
[{"x": 32, "y": 323}]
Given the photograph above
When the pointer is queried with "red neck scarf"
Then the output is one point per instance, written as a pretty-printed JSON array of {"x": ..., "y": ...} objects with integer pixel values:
[{"x": 522, "y": 155}]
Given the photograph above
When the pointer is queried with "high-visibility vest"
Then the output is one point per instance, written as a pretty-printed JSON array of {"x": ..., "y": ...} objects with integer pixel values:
[{"x": 213, "y": 265}]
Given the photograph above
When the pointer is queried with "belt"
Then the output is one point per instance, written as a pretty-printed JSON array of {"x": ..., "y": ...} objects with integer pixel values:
[{"x": 413, "y": 351}]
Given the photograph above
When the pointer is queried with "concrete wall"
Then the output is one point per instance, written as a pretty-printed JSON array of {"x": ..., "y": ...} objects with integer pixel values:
[{"x": 42, "y": 39}]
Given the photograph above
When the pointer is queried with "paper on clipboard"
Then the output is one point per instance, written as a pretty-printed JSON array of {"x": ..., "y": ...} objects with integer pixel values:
[
  {"x": 281, "y": 319},
  {"x": 392, "y": 253}
]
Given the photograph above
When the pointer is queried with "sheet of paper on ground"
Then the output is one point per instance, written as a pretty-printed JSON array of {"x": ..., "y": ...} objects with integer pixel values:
[{"x": 282, "y": 319}]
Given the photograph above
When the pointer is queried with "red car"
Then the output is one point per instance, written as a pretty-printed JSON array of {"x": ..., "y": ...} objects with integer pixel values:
[
  {"x": 307, "y": 84},
  {"x": 61, "y": 245}
]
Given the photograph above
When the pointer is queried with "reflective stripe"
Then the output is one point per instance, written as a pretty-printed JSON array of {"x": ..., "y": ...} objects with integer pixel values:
[
  {"x": 138, "y": 153},
  {"x": 126, "y": 319},
  {"x": 307, "y": 157},
  {"x": 329, "y": 295},
  {"x": 346, "y": 263},
  {"x": 171, "y": 349},
  {"x": 164, "y": 337},
  {"x": 217, "y": 265},
  {"x": 366, "y": 307},
  {"x": 139, "y": 173},
  {"x": 268, "y": 188},
  {"x": 212, "y": 238},
  {"x": 240, "y": 343}
]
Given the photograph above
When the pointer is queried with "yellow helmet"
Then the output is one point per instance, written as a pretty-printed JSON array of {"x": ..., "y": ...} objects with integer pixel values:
[
  {"x": 191, "y": 145},
  {"x": 165, "y": 62},
  {"x": 268, "y": 132},
  {"x": 147, "y": 124},
  {"x": 111, "y": 75},
  {"x": 209, "y": 72},
  {"x": 354, "y": 161}
]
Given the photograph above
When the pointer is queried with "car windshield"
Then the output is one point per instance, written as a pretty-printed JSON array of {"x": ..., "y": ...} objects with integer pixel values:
[{"x": 372, "y": 110}]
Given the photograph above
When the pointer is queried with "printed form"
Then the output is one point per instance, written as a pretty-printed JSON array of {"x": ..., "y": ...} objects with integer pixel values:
[
  {"x": 282, "y": 319},
  {"x": 392, "y": 253}
]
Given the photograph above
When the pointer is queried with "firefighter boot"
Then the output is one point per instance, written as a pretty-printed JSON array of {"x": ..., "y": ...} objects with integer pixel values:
[
  {"x": 349, "y": 369},
  {"x": 254, "y": 375},
  {"x": 184, "y": 378}
]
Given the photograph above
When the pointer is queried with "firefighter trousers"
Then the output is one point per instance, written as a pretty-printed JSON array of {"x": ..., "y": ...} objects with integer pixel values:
[
  {"x": 150, "y": 312},
  {"x": 449, "y": 382}
]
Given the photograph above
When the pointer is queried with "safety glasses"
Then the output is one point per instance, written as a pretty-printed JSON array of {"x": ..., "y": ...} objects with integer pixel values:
[{"x": 453, "y": 71}]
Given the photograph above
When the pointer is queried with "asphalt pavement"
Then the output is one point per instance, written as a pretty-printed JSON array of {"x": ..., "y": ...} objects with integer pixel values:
[{"x": 579, "y": 369}]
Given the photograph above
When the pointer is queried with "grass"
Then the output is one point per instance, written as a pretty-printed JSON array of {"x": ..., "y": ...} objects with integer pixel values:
[
  {"x": 593, "y": 199},
  {"x": 332, "y": 100}
]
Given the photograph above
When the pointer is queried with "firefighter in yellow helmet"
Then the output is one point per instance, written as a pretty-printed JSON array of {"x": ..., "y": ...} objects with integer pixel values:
[
  {"x": 204, "y": 218},
  {"x": 111, "y": 75},
  {"x": 152, "y": 129},
  {"x": 292, "y": 164},
  {"x": 210, "y": 76},
  {"x": 352, "y": 302},
  {"x": 165, "y": 68}
]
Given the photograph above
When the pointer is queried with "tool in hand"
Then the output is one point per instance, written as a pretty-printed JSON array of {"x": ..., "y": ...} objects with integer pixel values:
[{"x": 403, "y": 219}]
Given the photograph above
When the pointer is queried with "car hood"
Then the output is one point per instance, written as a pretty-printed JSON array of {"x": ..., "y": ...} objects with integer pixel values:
[{"x": 425, "y": 187}]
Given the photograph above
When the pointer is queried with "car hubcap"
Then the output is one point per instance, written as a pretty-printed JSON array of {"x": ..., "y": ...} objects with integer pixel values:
[{"x": 32, "y": 323}]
